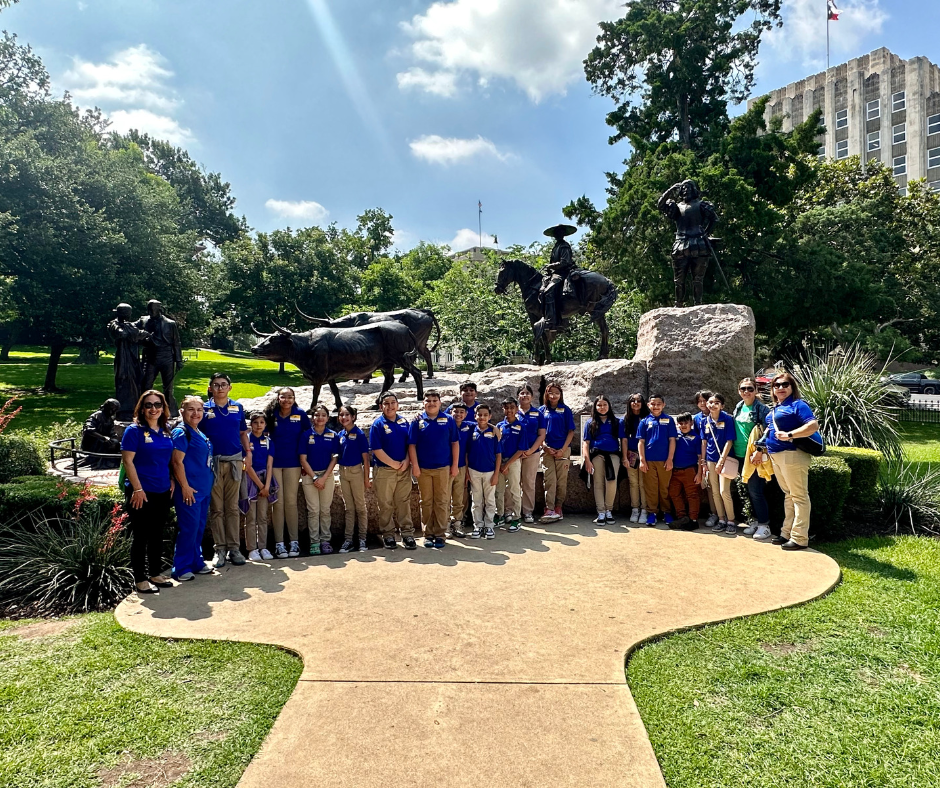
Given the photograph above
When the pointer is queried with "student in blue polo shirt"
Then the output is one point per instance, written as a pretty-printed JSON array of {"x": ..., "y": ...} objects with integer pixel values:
[
  {"x": 600, "y": 449},
  {"x": 512, "y": 444},
  {"x": 259, "y": 467},
  {"x": 433, "y": 446},
  {"x": 468, "y": 396},
  {"x": 458, "y": 487},
  {"x": 534, "y": 423},
  {"x": 685, "y": 491},
  {"x": 192, "y": 467},
  {"x": 483, "y": 463},
  {"x": 556, "y": 451},
  {"x": 286, "y": 423},
  {"x": 391, "y": 473},
  {"x": 318, "y": 451},
  {"x": 637, "y": 410},
  {"x": 718, "y": 433},
  {"x": 223, "y": 423},
  {"x": 657, "y": 446},
  {"x": 353, "y": 477}
]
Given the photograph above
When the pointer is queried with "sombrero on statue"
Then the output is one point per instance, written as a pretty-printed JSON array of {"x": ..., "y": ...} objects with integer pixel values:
[{"x": 560, "y": 229}]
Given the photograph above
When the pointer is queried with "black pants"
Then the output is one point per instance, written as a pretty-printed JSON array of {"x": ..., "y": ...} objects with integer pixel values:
[{"x": 147, "y": 524}]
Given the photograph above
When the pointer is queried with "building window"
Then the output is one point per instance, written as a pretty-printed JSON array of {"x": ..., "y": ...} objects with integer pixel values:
[
  {"x": 874, "y": 140},
  {"x": 934, "y": 186},
  {"x": 821, "y": 152},
  {"x": 822, "y": 122},
  {"x": 899, "y": 133},
  {"x": 899, "y": 101},
  {"x": 933, "y": 157},
  {"x": 842, "y": 119},
  {"x": 933, "y": 124},
  {"x": 842, "y": 149},
  {"x": 902, "y": 191},
  {"x": 900, "y": 165},
  {"x": 873, "y": 110}
]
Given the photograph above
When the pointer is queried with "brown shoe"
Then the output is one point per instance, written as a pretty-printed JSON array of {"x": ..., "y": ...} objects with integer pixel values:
[
  {"x": 161, "y": 581},
  {"x": 791, "y": 545}
]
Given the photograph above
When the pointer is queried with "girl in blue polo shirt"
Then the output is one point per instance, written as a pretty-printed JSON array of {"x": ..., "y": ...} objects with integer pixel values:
[
  {"x": 192, "y": 466},
  {"x": 483, "y": 460},
  {"x": 146, "y": 449},
  {"x": 286, "y": 423},
  {"x": 319, "y": 449},
  {"x": 718, "y": 444},
  {"x": 637, "y": 410},
  {"x": 556, "y": 451},
  {"x": 256, "y": 504},
  {"x": 534, "y": 424},
  {"x": 600, "y": 448},
  {"x": 353, "y": 477},
  {"x": 657, "y": 447},
  {"x": 458, "y": 487}
]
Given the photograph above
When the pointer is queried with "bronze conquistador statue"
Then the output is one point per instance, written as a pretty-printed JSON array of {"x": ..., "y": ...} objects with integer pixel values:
[
  {"x": 694, "y": 218},
  {"x": 163, "y": 354},
  {"x": 560, "y": 267}
]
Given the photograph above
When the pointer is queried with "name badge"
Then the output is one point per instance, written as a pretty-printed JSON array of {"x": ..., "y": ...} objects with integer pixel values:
[
  {"x": 312, "y": 439},
  {"x": 295, "y": 417},
  {"x": 351, "y": 437},
  {"x": 148, "y": 439},
  {"x": 664, "y": 421},
  {"x": 210, "y": 414},
  {"x": 329, "y": 434},
  {"x": 720, "y": 425},
  {"x": 388, "y": 430},
  {"x": 422, "y": 425},
  {"x": 263, "y": 443},
  {"x": 516, "y": 429},
  {"x": 442, "y": 420},
  {"x": 488, "y": 435},
  {"x": 233, "y": 408},
  {"x": 401, "y": 421},
  {"x": 465, "y": 429}
]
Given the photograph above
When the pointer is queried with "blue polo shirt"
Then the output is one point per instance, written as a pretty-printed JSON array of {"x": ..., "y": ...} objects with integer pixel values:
[
  {"x": 152, "y": 453},
  {"x": 657, "y": 432},
  {"x": 432, "y": 439},
  {"x": 790, "y": 415},
  {"x": 352, "y": 443},
  {"x": 389, "y": 436},
  {"x": 688, "y": 448},
  {"x": 482, "y": 449},
  {"x": 286, "y": 437},
  {"x": 633, "y": 442},
  {"x": 471, "y": 410},
  {"x": 261, "y": 449},
  {"x": 716, "y": 433},
  {"x": 198, "y": 460},
  {"x": 558, "y": 423},
  {"x": 319, "y": 449},
  {"x": 464, "y": 431},
  {"x": 533, "y": 421},
  {"x": 223, "y": 426},
  {"x": 513, "y": 436},
  {"x": 699, "y": 421},
  {"x": 605, "y": 440}
]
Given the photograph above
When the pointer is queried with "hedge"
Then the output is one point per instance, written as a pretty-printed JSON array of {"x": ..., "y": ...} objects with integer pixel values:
[
  {"x": 865, "y": 465},
  {"x": 50, "y": 497},
  {"x": 19, "y": 457},
  {"x": 829, "y": 481}
]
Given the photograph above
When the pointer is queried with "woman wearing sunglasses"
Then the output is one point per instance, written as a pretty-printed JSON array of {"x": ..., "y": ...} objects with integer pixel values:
[
  {"x": 750, "y": 415},
  {"x": 790, "y": 418},
  {"x": 146, "y": 450}
]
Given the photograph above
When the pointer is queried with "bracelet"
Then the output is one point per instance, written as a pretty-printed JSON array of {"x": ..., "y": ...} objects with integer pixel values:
[{"x": 140, "y": 489}]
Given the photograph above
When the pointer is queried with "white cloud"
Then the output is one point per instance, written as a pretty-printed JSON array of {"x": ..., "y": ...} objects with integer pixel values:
[
  {"x": 133, "y": 77},
  {"x": 297, "y": 209},
  {"x": 450, "y": 150},
  {"x": 537, "y": 44},
  {"x": 803, "y": 34},
  {"x": 466, "y": 238},
  {"x": 161, "y": 127},
  {"x": 440, "y": 83}
]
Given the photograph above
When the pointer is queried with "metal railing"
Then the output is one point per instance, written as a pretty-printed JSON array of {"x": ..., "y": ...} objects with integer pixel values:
[
  {"x": 919, "y": 413},
  {"x": 58, "y": 446}
]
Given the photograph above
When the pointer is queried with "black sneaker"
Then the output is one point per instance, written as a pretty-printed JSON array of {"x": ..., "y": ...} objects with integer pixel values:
[
  {"x": 390, "y": 543},
  {"x": 439, "y": 542},
  {"x": 681, "y": 524},
  {"x": 429, "y": 541},
  {"x": 778, "y": 540},
  {"x": 601, "y": 519},
  {"x": 409, "y": 543}
]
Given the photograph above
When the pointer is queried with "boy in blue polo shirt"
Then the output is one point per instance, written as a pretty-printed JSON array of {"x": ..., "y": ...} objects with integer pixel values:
[
  {"x": 657, "y": 446},
  {"x": 483, "y": 461},
  {"x": 458, "y": 487},
  {"x": 512, "y": 444},
  {"x": 391, "y": 473},
  {"x": 468, "y": 395},
  {"x": 685, "y": 491},
  {"x": 433, "y": 446}
]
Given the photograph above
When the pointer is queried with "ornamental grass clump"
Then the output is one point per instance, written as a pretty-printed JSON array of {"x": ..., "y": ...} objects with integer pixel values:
[
  {"x": 854, "y": 408},
  {"x": 910, "y": 497}
]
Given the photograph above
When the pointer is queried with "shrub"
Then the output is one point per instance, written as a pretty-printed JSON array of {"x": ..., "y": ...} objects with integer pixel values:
[
  {"x": 829, "y": 482},
  {"x": 865, "y": 465},
  {"x": 50, "y": 497},
  {"x": 40, "y": 437},
  {"x": 19, "y": 457},
  {"x": 910, "y": 497}
]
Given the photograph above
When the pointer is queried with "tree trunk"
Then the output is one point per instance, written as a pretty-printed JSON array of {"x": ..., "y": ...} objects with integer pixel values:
[
  {"x": 280, "y": 368},
  {"x": 685, "y": 129},
  {"x": 87, "y": 355},
  {"x": 5, "y": 351},
  {"x": 55, "y": 353}
]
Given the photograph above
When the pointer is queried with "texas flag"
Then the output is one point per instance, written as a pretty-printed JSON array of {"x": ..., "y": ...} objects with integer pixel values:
[{"x": 833, "y": 11}]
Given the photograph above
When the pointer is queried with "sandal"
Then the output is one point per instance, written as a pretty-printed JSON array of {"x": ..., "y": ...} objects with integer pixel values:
[
  {"x": 150, "y": 588},
  {"x": 161, "y": 581}
]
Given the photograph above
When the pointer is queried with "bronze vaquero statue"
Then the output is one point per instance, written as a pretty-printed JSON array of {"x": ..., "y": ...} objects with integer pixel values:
[
  {"x": 163, "y": 353},
  {"x": 128, "y": 373},
  {"x": 565, "y": 291},
  {"x": 694, "y": 218}
]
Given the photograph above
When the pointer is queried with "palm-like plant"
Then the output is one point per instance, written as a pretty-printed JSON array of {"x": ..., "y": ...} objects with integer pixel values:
[{"x": 910, "y": 497}]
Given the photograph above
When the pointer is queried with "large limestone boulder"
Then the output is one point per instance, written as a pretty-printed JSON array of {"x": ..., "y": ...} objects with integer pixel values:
[{"x": 686, "y": 349}]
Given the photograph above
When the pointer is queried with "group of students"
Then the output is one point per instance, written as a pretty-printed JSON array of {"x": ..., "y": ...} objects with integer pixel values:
[{"x": 218, "y": 465}]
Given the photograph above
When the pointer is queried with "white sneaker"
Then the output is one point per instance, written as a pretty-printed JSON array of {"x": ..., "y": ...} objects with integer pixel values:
[
  {"x": 635, "y": 516},
  {"x": 763, "y": 533},
  {"x": 254, "y": 555},
  {"x": 280, "y": 551},
  {"x": 719, "y": 526},
  {"x": 186, "y": 576},
  {"x": 476, "y": 533},
  {"x": 751, "y": 528},
  {"x": 363, "y": 547},
  {"x": 490, "y": 532},
  {"x": 266, "y": 555},
  {"x": 206, "y": 570},
  {"x": 528, "y": 518},
  {"x": 347, "y": 546},
  {"x": 294, "y": 550},
  {"x": 712, "y": 521},
  {"x": 643, "y": 515},
  {"x": 550, "y": 516}
]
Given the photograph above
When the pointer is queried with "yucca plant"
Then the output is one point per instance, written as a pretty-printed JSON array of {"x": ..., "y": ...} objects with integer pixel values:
[
  {"x": 853, "y": 406},
  {"x": 910, "y": 497}
]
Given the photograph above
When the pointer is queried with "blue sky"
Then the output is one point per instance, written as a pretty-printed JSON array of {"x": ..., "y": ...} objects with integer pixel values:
[{"x": 315, "y": 110}]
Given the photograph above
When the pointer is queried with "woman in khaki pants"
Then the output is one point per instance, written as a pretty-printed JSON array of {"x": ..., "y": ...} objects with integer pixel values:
[
  {"x": 353, "y": 477},
  {"x": 534, "y": 423},
  {"x": 556, "y": 451},
  {"x": 319, "y": 448},
  {"x": 286, "y": 423}
]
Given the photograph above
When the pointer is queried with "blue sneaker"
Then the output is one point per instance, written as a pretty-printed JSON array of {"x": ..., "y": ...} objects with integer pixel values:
[
  {"x": 651, "y": 520},
  {"x": 668, "y": 519},
  {"x": 439, "y": 543},
  {"x": 429, "y": 541}
]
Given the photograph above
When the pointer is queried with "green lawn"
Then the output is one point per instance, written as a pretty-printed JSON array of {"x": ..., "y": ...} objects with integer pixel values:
[
  {"x": 922, "y": 443},
  {"x": 97, "y": 697},
  {"x": 841, "y": 692}
]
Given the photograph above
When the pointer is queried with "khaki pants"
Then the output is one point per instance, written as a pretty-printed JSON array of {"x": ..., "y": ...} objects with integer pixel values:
[
  {"x": 719, "y": 493},
  {"x": 285, "y": 509},
  {"x": 555, "y": 470},
  {"x": 511, "y": 483},
  {"x": 637, "y": 488},
  {"x": 792, "y": 471},
  {"x": 458, "y": 495},
  {"x": 224, "y": 515},
  {"x": 256, "y": 525},
  {"x": 393, "y": 495},
  {"x": 318, "y": 507},
  {"x": 530, "y": 469},
  {"x": 604, "y": 491},
  {"x": 484, "y": 497},
  {"x": 434, "y": 487},
  {"x": 656, "y": 482},
  {"x": 352, "y": 483}
]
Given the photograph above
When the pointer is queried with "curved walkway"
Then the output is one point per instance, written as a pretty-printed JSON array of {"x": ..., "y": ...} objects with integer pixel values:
[{"x": 488, "y": 663}]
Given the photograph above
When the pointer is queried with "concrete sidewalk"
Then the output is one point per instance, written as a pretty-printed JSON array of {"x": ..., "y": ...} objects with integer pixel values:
[{"x": 488, "y": 663}]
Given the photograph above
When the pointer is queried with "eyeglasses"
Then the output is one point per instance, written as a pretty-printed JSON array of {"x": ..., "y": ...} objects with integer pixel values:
[
  {"x": 153, "y": 405},
  {"x": 745, "y": 388},
  {"x": 222, "y": 385},
  {"x": 781, "y": 384}
]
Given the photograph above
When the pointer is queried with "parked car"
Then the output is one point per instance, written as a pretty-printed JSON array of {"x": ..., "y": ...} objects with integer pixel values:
[{"x": 915, "y": 382}]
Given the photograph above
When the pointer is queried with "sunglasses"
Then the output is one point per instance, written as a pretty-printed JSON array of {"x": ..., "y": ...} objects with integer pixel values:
[
  {"x": 153, "y": 405},
  {"x": 781, "y": 385},
  {"x": 745, "y": 388},
  {"x": 222, "y": 385}
]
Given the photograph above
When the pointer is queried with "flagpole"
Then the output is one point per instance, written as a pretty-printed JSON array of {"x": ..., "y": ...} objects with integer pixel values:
[
  {"x": 480, "y": 221},
  {"x": 827, "y": 35}
]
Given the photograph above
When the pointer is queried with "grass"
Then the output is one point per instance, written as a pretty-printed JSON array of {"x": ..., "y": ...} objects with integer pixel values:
[
  {"x": 844, "y": 691},
  {"x": 921, "y": 442},
  {"x": 96, "y": 696}
]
